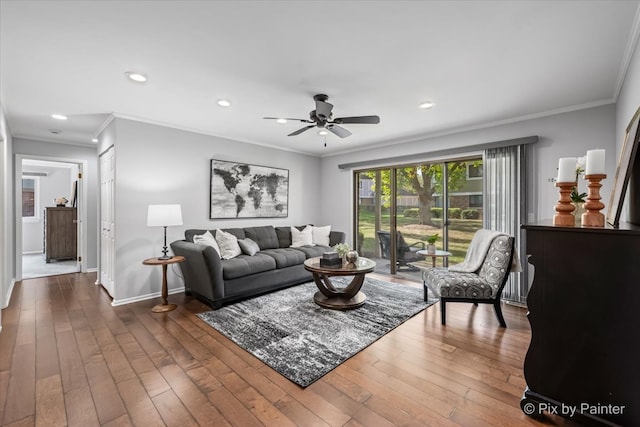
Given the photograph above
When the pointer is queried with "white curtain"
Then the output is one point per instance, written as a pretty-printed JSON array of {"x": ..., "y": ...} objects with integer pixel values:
[{"x": 504, "y": 206}]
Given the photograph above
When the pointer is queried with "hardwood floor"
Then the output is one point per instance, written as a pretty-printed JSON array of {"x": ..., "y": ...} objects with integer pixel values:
[{"x": 67, "y": 357}]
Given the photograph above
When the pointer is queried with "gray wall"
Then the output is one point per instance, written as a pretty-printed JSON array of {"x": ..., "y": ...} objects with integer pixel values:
[
  {"x": 160, "y": 165},
  {"x": 628, "y": 103},
  {"x": 562, "y": 135},
  {"x": 41, "y": 149}
]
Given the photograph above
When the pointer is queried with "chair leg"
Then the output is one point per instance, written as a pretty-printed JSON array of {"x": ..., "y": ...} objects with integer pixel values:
[
  {"x": 426, "y": 291},
  {"x": 443, "y": 311},
  {"x": 498, "y": 309}
]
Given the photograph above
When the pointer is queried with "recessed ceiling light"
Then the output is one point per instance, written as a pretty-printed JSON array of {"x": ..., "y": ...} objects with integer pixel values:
[
  {"x": 94, "y": 140},
  {"x": 426, "y": 105},
  {"x": 323, "y": 132},
  {"x": 136, "y": 77},
  {"x": 283, "y": 121},
  {"x": 224, "y": 103},
  {"x": 59, "y": 117}
]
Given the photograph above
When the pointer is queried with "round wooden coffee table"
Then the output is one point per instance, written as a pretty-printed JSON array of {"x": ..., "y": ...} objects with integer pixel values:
[{"x": 346, "y": 298}]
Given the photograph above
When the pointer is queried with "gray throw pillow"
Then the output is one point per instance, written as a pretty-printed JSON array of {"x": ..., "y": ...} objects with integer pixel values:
[{"x": 248, "y": 246}]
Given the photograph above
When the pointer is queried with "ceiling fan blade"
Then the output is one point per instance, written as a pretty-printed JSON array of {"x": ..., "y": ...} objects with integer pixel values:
[
  {"x": 289, "y": 119},
  {"x": 359, "y": 119},
  {"x": 337, "y": 130},
  {"x": 299, "y": 131},
  {"x": 323, "y": 109}
]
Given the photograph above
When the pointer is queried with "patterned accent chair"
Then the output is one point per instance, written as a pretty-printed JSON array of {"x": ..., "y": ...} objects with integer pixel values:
[{"x": 484, "y": 286}]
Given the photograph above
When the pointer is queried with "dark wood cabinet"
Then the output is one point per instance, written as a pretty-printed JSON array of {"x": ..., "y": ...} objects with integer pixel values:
[
  {"x": 584, "y": 311},
  {"x": 60, "y": 233}
]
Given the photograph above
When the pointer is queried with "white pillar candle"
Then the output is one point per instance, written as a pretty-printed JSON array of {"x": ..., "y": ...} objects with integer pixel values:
[
  {"x": 595, "y": 162},
  {"x": 567, "y": 169}
]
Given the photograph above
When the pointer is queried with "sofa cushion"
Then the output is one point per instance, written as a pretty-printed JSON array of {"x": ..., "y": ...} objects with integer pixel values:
[
  {"x": 265, "y": 237},
  {"x": 248, "y": 246},
  {"x": 301, "y": 237},
  {"x": 228, "y": 243},
  {"x": 238, "y": 232},
  {"x": 285, "y": 257},
  {"x": 314, "y": 251},
  {"x": 243, "y": 265}
]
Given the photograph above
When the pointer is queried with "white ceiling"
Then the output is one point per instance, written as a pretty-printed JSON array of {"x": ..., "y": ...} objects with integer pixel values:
[{"x": 481, "y": 62}]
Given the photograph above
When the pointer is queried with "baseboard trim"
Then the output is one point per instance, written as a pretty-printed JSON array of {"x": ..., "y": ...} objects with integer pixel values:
[
  {"x": 7, "y": 297},
  {"x": 146, "y": 297}
]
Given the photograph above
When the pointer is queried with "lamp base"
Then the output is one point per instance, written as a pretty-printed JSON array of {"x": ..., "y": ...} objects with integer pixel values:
[{"x": 165, "y": 257}]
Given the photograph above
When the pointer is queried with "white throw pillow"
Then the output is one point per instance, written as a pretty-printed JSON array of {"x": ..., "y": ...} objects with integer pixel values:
[
  {"x": 301, "y": 238},
  {"x": 208, "y": 240},
  {"x": 321, "y": 235},
  {"x": 229, "y": 247}
]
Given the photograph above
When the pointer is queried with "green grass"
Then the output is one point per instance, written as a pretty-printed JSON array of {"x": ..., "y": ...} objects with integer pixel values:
[{"x": 461, "y": 232}]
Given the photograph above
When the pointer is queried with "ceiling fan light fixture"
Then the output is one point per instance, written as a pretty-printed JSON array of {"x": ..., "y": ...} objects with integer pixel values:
[
  {"x": 136, "y": 77},
  {"x": 59, "y": 116},
  {"x": 426, "y": 105},
  {"x": 224, "y": 103},
  {"x": 281, "y": 121},
  {"x": 323, "y": 132}
]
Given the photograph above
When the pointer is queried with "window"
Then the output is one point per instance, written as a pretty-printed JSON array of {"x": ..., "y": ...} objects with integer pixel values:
[
  {"x": 475, "y": 201},
  {"x": 474, "y": 171},
  {"x": 30, "y": 208}
]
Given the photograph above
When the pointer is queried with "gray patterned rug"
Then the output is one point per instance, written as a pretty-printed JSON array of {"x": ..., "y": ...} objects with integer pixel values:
[{"x": 303, "y": 341}]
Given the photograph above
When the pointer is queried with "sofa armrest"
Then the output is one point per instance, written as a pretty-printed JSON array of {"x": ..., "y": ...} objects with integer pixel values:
[
  {"x": 336, "y": 237},
  {"x": 202, "y": 269}
]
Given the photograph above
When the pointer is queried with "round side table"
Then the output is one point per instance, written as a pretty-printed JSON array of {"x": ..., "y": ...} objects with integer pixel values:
[
  {"x": 439, "y": 254},
  {"x": 165, "y": 306}
]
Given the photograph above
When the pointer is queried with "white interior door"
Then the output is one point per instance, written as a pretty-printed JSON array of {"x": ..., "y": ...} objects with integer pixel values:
[{"x": 107, "y": 220}]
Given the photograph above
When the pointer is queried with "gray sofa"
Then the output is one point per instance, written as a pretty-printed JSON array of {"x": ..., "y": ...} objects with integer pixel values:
[{"x": 218, "y": 281}]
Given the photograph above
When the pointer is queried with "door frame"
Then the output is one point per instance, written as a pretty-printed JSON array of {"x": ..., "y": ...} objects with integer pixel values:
[{"x": 82, "y": 207}]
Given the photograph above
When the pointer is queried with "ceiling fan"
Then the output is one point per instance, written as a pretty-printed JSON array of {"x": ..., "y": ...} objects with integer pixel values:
[{"x": 322, "y": 117}]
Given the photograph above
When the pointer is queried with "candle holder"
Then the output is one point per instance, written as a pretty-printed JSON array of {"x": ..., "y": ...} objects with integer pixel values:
[
  {"x": 564, "y": 206},
  {"x": 592, "y": 217}
]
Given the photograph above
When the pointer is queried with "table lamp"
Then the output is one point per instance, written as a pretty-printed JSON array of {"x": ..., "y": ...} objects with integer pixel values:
[{"x": 164, "y": 216}]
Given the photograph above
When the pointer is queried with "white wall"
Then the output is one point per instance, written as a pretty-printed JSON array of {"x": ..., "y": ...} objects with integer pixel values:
[
  {"x": 160, "y": 165},
  {"x": 41, "y": 149},
  {"x": 57, "y": 183},
  {"x": 628, "y": 103},
  {"x": 561, "y": 135}
]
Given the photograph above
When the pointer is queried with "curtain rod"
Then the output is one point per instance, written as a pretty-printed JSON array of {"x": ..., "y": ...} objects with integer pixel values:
[{"x": 446, "y": 152}]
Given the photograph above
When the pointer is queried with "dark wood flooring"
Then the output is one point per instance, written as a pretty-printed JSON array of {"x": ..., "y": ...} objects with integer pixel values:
[{"x": 67, "y": 357}]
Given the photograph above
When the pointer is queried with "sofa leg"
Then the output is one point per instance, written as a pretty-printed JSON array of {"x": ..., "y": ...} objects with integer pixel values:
[
  {"x": 426, "y": 291},
  {"x": 498, "y": 309},
  {"x": 188, "y": 292},
  {"x": 443, "y": 311}
]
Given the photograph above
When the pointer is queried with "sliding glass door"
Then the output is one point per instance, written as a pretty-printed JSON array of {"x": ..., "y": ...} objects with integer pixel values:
[{"x": 398, "y": 209}]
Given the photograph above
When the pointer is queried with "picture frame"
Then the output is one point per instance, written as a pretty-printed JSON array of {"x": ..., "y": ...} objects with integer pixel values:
[
  {"x": 242, "y": 190},
  {"x": 628, "y": 156}
]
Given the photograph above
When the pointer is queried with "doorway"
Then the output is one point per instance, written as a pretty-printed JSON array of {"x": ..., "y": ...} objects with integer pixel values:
[
  {"x": 50, "y": 216},
  {"x": 399, "y": 208}
]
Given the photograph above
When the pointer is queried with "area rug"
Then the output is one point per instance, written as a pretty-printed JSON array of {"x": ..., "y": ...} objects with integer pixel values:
[{"x": 303, "y": 341}]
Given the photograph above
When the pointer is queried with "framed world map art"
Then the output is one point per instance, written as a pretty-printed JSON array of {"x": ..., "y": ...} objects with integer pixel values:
[{"x": 241, "y": 190}]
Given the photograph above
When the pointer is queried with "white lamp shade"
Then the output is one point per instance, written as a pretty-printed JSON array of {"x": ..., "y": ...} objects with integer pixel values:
[{"x": 164, "y": 215}]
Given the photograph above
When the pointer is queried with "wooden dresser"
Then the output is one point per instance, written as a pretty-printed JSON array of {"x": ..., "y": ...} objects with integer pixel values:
[
  {"x": 60, "y": 233},
  {"x": 584, "y": 311}
]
